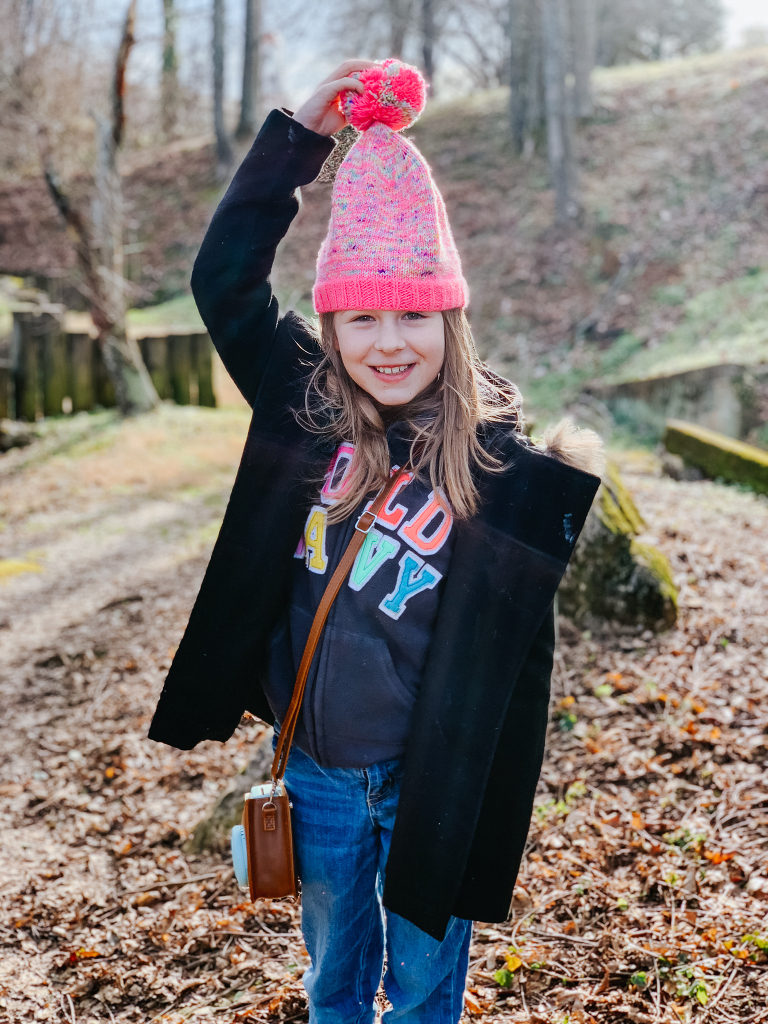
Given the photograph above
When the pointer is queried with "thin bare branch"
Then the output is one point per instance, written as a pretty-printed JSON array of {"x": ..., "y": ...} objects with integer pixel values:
[{"x": 118, "y": 83}]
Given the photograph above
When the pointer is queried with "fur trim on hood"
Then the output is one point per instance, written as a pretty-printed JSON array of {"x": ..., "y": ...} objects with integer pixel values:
[{"x": 582, "y": 449}]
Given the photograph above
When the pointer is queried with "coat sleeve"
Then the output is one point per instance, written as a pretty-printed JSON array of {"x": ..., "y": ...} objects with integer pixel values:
[
  {"x": 505, "y": 814},
  {"x": 230, "y": 280}
]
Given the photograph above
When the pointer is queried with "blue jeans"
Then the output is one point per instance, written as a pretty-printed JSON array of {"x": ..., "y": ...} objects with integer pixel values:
[{"x": 342, "y": 826}]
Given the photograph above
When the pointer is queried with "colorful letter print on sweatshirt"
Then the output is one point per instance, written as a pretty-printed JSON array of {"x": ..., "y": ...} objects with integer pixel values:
[{"x": 366, "y": 670}]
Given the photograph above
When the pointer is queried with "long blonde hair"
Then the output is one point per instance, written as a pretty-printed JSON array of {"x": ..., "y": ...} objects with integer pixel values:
[{"x": 443, "y": 420}]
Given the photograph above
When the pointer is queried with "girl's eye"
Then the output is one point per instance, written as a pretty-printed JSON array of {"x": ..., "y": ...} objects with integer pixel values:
[
  {"x": 363, "y": 318},
  {"x": 413, "y": 316}
]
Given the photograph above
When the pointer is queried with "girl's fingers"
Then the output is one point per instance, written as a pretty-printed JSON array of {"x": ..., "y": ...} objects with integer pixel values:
[
  {"x": 332, "y": 89},
  {"x": 347, "y": 68},
  {"x": 319, "y": 113}
]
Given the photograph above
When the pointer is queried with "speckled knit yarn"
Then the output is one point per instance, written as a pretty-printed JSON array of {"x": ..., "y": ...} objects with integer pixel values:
[{"x": 389, "y": 244}]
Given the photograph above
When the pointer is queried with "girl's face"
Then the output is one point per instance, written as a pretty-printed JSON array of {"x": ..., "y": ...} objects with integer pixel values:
[{"x": 392, "y": 354}]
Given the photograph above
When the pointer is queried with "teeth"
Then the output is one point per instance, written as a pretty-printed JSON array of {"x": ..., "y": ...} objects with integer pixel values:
[{"x": 392, "y": 369}]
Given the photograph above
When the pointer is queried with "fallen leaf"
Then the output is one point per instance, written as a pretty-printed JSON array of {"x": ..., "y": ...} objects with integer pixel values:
[
  {"x": 513, "y": 962},
  {"x": 472, "y": 1004},
  {"x": 146, "y": 899},
  {"x": 718, "y": 858}
]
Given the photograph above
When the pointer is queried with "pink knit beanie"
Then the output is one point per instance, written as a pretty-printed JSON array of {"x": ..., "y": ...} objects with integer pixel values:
[{"x": 389, "y": 244}]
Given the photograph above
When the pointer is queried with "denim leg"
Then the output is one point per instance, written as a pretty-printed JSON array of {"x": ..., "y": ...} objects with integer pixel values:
[
  {"x": 337, "y": 851},
  {"x": 425, "y": 978},
  {"x": 342, "y": 825}
]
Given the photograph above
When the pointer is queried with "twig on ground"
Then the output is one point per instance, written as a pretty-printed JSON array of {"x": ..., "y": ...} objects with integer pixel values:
[{"x": 167, "y": 884}]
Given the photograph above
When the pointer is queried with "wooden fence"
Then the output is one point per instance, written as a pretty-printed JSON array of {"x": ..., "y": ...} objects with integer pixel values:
[{"x": 50, "y": 371}]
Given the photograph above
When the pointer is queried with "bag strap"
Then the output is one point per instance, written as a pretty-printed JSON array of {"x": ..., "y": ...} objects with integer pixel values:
[{"x": 362, "y": 527}]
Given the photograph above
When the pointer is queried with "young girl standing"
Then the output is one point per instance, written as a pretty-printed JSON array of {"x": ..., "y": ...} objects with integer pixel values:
[{"x": 422, "y": 726}]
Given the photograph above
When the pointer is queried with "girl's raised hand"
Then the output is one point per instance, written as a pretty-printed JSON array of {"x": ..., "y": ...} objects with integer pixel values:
[{"x": 321, "y": 112}]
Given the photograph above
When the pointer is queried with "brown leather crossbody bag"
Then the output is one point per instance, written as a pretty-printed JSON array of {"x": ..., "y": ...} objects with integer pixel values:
[{"x": 267, "y": 818}]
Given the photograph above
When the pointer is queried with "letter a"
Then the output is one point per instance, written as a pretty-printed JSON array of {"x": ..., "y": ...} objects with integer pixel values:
[
  {"x": 376, "y": 550},
  {"x": 314, "y": 540},
  {"x": 415, "y": 575}
]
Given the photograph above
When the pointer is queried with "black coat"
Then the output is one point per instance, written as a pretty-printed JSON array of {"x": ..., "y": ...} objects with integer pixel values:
[{"x": 476, "y": 741}]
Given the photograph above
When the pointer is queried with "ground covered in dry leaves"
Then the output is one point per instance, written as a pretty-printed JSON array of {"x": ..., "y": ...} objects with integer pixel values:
[{"x": 645, "y": 889}]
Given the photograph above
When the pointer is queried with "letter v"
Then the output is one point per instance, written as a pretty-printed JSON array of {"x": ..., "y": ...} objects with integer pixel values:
[{"x": 376, "y": 550}]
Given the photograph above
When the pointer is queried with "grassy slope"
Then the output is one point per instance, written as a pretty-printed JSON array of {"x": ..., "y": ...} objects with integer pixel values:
[
  {"x": 725, "y": 324},
  {"x": 178, "y": 312}
]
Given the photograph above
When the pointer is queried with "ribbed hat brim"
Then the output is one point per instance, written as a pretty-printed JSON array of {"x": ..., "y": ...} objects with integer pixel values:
[{"x": 387, "y": 293}]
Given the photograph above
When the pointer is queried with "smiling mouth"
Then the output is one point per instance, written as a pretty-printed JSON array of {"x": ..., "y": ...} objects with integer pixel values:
[{"x": 392, "y": 371}]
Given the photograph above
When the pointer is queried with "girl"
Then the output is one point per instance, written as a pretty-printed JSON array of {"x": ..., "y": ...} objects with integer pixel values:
[{"x": 422, "y": 728}]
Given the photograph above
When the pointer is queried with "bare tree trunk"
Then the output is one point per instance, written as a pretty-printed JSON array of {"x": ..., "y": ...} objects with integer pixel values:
[
  {"x": 428, "y": 36},
  {"x": 249, "y": 102},
  {"x": 584, "y": 36},
  {"x": 399, "y": 23},
  {"x": 570, "y": 102},
  {"x": 559, "y": 136},
  {"x": 223, "y": 147},
  {"x": 525, "y": 73},
  {"x": 100, "y": 248},
  {"x": 519, "y": 40},
  {"x": 535, "y": 110},
  {"x": 169, "y": 85}
]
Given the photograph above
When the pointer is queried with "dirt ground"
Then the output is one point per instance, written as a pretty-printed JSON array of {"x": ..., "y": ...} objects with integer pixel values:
[{"x": 645, "y": 890}]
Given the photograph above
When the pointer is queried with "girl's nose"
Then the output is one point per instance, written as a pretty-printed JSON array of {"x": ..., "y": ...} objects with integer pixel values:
[{"x": 389, "y": 339}]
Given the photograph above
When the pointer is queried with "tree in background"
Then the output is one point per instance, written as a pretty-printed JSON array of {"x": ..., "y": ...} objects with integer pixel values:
[
  {"x": 474, "y": 37},
  {"x": 468, "y": 34},
  {"x": 428, "y": 40},
  {"x": 44, "y": 77},
  {"x": 405, "y": 29},
  {"x": 249, "y": 102},
  {"x": 99, "y": 244},
  {"x": 224, "y": 155},
  {"x": 630, "y": 30},
  {"x": 169, "y": 81},
  {"x": 525, "y": 110},
  {"x": 553, "y": 48},
  {"x": 399, "y": 14},
  {"x": 584, "y": 49},
  {"x": 558, "y": 108}
]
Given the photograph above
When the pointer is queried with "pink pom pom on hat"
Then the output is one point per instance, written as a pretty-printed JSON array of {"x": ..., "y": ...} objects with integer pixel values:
[{"x": 389, "y": 244}]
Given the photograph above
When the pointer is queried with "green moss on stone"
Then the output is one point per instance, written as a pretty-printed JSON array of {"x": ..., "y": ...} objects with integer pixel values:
[
  {"x": 718, "y": 456},
  {"x": 613, "y": 576},
  {"x": 656, "y": 563},
  {"x": 616, "y": 507}
]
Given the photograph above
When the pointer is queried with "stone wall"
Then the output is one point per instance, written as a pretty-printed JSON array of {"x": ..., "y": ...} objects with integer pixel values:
[{"x": 727, "y": 397}]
